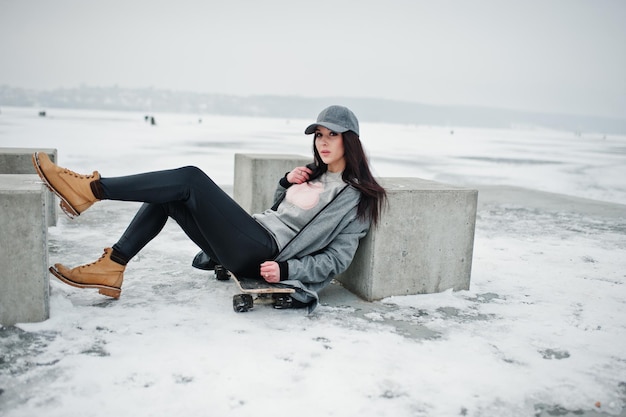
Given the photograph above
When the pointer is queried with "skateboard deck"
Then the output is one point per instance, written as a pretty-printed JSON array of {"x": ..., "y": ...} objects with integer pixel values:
[
  {"x": 254, "y": 286},
  {"x": 258, "y": 286}
]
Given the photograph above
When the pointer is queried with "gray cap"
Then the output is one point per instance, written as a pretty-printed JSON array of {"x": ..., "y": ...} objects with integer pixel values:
[{"x": 336, "y": 118}]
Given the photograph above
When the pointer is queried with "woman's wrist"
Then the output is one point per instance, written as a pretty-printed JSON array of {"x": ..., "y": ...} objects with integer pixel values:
[
  {"x": 284, "y": 182},
  {"x": 284, "y": 270}
]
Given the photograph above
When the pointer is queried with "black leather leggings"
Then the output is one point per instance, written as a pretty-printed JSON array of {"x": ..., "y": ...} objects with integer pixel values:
[{"x": 209, "y": 216}]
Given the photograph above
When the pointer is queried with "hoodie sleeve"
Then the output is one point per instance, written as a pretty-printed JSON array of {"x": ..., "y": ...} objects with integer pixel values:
[
  {"x": 281, "y": 190},
  {"x": 331, "y": 260}
]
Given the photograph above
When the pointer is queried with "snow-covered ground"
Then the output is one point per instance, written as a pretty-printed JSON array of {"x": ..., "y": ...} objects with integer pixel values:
[{"x": 541, "y": 332}]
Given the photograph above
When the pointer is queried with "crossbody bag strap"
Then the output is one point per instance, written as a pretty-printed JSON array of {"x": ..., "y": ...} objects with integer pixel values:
[{"x": 312, "y": 219}]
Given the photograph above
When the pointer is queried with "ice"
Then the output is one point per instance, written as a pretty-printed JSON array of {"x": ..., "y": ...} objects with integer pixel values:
[{"x": 541, "y": 332}]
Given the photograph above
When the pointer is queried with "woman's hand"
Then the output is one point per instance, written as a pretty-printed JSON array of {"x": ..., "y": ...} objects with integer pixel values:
[
  {"x": 270, "y": 271},
  {"x": 299, "y": 175}
]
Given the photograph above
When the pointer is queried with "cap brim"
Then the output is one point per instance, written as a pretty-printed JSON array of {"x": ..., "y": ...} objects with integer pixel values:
[{"x": 331, "y": 126}]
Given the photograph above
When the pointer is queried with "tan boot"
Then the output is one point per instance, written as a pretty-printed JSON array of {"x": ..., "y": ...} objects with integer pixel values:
[
  {"x": 73, "y": 189},
  {"x": 104, "y": 274}
]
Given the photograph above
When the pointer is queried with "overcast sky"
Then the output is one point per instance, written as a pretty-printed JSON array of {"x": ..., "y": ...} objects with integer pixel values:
[{"x": 562, "y": 56}]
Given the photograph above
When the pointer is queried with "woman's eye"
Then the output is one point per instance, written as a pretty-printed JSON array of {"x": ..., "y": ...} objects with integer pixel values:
[{"x": 329, "y": 134}]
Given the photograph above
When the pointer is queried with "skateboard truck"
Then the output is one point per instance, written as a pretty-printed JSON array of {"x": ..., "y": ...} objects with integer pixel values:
[
  {"x": 245, "y": 302},
  {"x": 282, "y": 301}
]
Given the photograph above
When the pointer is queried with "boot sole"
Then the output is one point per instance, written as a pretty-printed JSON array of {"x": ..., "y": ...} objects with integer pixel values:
[
  {"x": 112, "y": 292},
  {"x": 67, "y": 208}
]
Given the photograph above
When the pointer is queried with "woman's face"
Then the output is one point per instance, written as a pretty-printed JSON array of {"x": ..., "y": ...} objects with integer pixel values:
[{"x": 329, "y": 145}]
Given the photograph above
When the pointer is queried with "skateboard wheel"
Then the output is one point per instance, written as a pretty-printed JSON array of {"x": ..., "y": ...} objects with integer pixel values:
[
  {"x": 282, "y": 301},
  {"x": 221, "y": 273},
  {"x": 242, "y": 303}
]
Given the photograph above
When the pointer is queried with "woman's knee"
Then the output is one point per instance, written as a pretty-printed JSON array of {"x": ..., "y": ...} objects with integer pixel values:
[
  {"x": 191, "y": 171},
  {"x": 192, "y": 175}
]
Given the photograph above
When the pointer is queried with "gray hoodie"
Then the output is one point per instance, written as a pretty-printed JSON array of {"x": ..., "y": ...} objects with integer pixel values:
[{"x": 325, "y": 246}]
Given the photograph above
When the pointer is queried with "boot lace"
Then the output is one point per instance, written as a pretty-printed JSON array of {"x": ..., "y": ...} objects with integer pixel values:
[
  {"x": 95, "y": 262},
  {"x": 80, "y": 176}
]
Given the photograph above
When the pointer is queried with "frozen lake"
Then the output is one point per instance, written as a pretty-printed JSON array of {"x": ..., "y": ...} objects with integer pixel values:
[{"x": 541, "y": 331}]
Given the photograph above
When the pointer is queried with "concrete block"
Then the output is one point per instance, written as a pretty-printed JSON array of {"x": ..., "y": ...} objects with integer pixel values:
[
  {"x": 24, "y": 279},
  {"x": 257, "y": 175},
  {"x": 18, "y": 161},
  {"x": 424, "y": 243}
]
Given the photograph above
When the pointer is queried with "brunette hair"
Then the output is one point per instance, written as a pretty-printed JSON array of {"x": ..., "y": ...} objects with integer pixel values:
[{"x": 356, "y": 173}]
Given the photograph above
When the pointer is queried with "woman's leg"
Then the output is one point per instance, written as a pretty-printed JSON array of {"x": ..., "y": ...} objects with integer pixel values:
[
  {"x": 207, "y": 214},
  {"x": 213, "y": 220}
]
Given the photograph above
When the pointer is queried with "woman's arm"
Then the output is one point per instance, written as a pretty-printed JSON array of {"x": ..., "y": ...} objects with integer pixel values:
[
  {"x": 296, "y": 176},
  {"x": 330, "y": 261}
]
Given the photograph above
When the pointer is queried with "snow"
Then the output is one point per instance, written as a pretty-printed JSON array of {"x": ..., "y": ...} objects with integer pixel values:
[{"x": 540, "y": 332}]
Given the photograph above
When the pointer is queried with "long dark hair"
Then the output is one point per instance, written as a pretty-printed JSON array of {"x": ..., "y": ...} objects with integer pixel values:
[{"x": 356, "y": 173}]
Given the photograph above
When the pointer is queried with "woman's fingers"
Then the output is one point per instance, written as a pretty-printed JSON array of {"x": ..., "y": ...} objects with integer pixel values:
[{"x": 299, "y": 175}]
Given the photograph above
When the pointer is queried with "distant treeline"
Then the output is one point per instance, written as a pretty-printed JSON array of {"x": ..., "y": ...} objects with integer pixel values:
[{"x": 368, "y": 109}]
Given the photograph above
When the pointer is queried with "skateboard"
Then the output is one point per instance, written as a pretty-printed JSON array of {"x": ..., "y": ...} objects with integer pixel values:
[{"x": 255, "y": 291}]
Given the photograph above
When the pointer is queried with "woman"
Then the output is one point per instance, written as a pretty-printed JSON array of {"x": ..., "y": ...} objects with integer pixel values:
[{"x": 310, "y": 235}]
